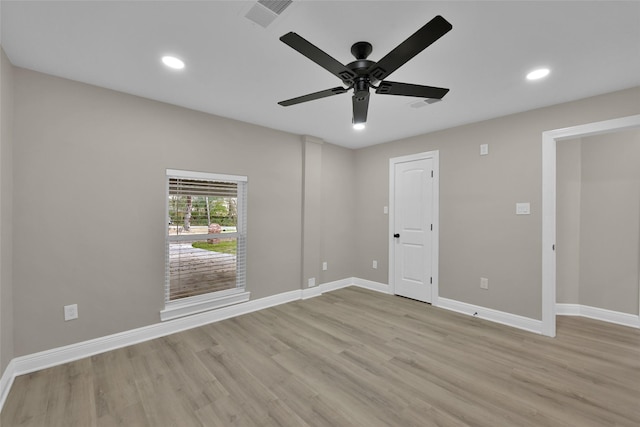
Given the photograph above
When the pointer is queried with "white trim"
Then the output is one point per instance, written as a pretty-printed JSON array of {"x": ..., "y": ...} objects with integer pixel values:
[
  {"x": 548, "y": 236},
  {"x": 200, "y": 303},
  {"x": 45, "y": 359},
  {"x": 307, "y": 293},
  {"x": 601, "y": 314},
  {"x": 174, "y": 173},
  {"x": 371, "y": 285},
  {"x": 549, "y": 139},
  {"x": 327, "y": 287},
  {"x": 435, "y": 237},
  {"x": 435, "y": 249},
  {"x": 335, "y": 285},
  {"x": 57, "y": 356},
  {"x": 504, "y": 318},
  {"x": 343, "y": 283},
  {"x": 567, "y": 309},
  {"x": 216, "y": 299},
  {"x": 6, "y": 381}
]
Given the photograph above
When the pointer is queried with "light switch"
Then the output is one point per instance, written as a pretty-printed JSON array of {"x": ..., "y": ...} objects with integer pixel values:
[
  {"x": 385, "y": 210},
  {"x": 484, "y": 149},
  {"x": 70, "y": 312},
  {"x": 523, "y": 208}
]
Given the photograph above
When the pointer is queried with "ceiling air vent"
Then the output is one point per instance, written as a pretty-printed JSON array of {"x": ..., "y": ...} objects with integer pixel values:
[
  {"x": 424, "y": 102},
  {"x": 276, "y": 6},
  {"x": 265, "y": 12}
]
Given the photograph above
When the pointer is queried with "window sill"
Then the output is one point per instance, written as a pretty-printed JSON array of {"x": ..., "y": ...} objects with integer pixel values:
[{"x": 201, "y": 303}]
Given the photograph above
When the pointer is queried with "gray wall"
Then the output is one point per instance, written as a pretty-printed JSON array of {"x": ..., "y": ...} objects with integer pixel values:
[
  {"x": 610, "y": 221},
  {"x": 6, "y": 229},
  {"x": 568, "y": 186},
  {"x": 311, "y": 215},
  {"x": 480, "y": 235},
  {"x": 328, "y": 216},
  {"x": 338, "y": 215},
  {"x": 607, "y": 198},
  {"x": 89, "y": 204}
]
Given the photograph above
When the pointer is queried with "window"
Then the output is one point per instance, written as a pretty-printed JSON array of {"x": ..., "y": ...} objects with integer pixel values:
[{"x": 205, "y": 242}]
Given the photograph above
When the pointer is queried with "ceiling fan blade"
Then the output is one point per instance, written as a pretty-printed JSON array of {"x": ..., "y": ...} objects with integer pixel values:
[
  {"x": 409, "y": 48},
  {"x": 407, "y": 89},
  {"x": 360, "y": 108},
  {"x": 316, "y": 95},
  {"x": 319, "y": 57}
]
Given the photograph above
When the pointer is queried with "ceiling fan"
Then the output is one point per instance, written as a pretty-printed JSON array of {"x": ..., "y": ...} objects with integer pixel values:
[{"x": 363, "y": 74}]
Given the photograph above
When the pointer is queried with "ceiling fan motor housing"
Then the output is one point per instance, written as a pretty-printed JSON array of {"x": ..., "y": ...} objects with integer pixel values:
[
  {"x": 361, "y": 50},
  {"x": 361, "y": 87}
]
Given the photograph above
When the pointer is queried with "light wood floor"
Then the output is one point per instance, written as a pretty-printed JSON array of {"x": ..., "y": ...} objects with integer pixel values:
[{"x": 347, "y": 358}]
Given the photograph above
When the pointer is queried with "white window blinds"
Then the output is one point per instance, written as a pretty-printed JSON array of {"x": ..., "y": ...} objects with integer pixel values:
[{"x": 206, "y": 235}]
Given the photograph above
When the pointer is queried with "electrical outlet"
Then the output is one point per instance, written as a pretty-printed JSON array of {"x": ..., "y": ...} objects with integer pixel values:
[
  {"x": 70, "y": 312},
  {"x": 375, "y": 264},
  {"x": 324, "y": 266},
  {"x": 484, "y": 283},
  {"x": 312, "y": 282}
]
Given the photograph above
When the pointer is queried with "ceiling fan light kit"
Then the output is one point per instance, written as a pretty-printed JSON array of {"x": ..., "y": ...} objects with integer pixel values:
[
  {"x": 364, "y": 74},
  {"x": 173, "y": 62},
  {"x": 538, "y": 74}
]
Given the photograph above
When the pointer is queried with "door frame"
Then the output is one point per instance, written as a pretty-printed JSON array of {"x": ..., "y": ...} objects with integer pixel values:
[
  {"x": 549, "y": 140},
  {"x": 435, "y": 249}
]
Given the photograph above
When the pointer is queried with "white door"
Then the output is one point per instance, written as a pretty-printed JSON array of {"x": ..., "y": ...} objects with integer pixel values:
[{"x": 412, "y": 225}]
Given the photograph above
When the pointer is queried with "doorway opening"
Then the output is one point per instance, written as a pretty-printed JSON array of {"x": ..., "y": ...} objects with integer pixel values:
[{"x": 549, "y": 141}]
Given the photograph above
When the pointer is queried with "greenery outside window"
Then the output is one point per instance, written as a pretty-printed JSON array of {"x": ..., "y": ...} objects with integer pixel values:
[{"x": 206, "y": 242}]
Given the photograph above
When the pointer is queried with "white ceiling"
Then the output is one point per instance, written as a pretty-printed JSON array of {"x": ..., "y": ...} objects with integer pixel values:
[{"x": 238, "y": 69}]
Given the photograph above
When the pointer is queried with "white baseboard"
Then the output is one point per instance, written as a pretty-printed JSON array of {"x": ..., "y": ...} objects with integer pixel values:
[
  {"x": 371, "y": 285},
  {"x": 6, "y": 381},
  {"x": 56, "y": 356},
  {"x": 48, "y": 358},
  {"x": 326, "y": 287},
  {"x": 338, "y": 284},
  {"x": 311, "y": 292},
  {"x": 602, "y": 314},
  {"x": 513, "y": 320},
  {"x": 567, "y": 309}
]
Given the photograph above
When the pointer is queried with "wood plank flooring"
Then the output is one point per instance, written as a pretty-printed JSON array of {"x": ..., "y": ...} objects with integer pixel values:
[{"x": 351, "y": 357}]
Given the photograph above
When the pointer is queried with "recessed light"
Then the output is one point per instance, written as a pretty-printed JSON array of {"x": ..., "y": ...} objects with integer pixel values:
[
  {"x": 173, "y": 62},
  {"x": 358, "y": 126},
  {"x": 538, "y": 74}
]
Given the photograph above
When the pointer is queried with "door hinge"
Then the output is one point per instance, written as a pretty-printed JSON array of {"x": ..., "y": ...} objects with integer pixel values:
[
  {"x": 431, "y": 174},
  {"x": 431, "y": 280},
  {"x": 431, "y": 227}
]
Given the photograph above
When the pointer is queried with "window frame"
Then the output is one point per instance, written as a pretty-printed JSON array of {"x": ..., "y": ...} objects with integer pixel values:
[{"x": 216, "y": 299}]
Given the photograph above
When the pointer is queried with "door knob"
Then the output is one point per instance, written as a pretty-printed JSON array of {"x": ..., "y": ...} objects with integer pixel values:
[{"x": 397, "y": 235}]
